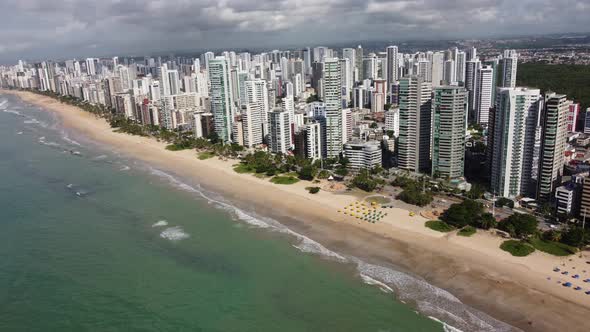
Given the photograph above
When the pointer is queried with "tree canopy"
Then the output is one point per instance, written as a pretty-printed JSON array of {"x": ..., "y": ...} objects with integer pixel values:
[{"x": 520, "y": 225}]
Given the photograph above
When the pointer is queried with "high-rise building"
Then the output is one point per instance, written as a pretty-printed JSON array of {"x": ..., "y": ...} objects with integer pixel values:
[
  {"x": 471, "y": 80},
  {"x": 252, "y": 127},
  {"x": 392, "y": 121},
  {"x": 587, "y": 121},
  {"x": 509, "y": 64},
  {"x": 369, "y": 68},
  {"x": 280, "y": 131},
  {"x": 359, "y": 63},
  {"x": 312, "y": 141},
  {"x": 414, "y": 124},
  {"x": 347, "y": 79},
  {"x": 363, "y": 155},
  {"x": 91, "y": 66},
  {"x": 512, "y": 141},
  {"x": 350, "y": 54},
  {"x": 437, "y": 68},
  {"x": 460, "y": 67},
  {"x": 257, "y": 98},
  {"x": 484, "y": 92},
  {"x": 332, "y": 84},
  {"x": 449, "y": 116},
  {"x": 450, "y": 73},
  {"x": 221, "y": 97},
  {"x": 391, "y": 74},
  {"x": 553, "y": 141},
  {"x": 572, "y": 117}
]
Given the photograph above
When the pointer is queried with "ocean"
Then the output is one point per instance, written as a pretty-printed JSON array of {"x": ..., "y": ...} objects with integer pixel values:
[{"x": 94, "y": 241}]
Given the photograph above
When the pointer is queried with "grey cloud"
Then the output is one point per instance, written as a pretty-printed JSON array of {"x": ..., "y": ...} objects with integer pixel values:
[{"x": 38, "y": 29}]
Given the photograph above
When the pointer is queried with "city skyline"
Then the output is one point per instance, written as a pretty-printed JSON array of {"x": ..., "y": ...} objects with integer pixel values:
[{"x": 81, "y": 28}]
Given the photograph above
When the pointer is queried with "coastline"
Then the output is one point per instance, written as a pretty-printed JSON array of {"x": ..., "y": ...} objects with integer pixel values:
[{"x": 514, "y": 290}]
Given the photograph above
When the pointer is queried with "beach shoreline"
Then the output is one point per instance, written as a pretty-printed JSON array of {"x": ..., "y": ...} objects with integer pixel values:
[{"x": 513, "y": 290}]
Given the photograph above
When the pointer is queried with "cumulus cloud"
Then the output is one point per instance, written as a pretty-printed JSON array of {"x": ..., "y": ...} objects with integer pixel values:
[{"x": 38, "y": 29}]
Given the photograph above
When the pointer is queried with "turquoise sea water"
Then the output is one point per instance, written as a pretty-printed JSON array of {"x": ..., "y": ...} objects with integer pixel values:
[{"x": 94, "y": 242}]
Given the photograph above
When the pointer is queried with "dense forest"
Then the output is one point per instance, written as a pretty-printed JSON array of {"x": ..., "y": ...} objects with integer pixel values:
[{"x": 572, "y": 80}]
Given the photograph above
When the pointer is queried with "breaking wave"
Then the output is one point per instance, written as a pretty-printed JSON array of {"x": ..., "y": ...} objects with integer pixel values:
[
  {"x": 429, "y": 300},
  {"x": 160, "y": 223},
  {"x": 174, "y": 234}
]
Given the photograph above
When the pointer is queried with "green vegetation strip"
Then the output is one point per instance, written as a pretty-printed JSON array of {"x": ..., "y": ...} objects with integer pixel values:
[
  {"x": 517, "y": 248},
  {"x": 439, "y": 226},
  {"x": 553, "y": 248},
  {"x": 206, "y": 155},
  {"x": 242, "y": 168},
  {"x": 467, "y": 231},
  {"x": 284, "y": 180},
  {"x": 313, "y": 190}
]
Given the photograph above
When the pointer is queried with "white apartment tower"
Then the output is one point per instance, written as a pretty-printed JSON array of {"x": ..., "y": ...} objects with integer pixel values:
[
  {"x": 252, "y": 128},
  {"x": 414, "y": 124},
  {"x": 509, "y": 64},
  {"x": 332, "y": 99},
  {"x": 280, "y": 131},
  {"x": 553, "y": 142},
  {"x": 221, "y": 97},
  {"x": 449, "y": 116},
  {"x": 391, "y": 63},
  {"x": 484, "y": 92},
  {"x": 512, "y": 140}
]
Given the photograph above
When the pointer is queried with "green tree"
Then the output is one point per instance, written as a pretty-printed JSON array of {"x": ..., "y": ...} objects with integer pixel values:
[
  {"x": 364, "y": 181},
  {"x": 307, "y": 173},
  {"x": 468, "y": 212},
  {"x": 486, "y": 221},
  {"x": 520, "y": 225},
  {"x": 503, "y": 201},
  {"x": 476, "y": 191},
  {"x": 575, "y": 237}
]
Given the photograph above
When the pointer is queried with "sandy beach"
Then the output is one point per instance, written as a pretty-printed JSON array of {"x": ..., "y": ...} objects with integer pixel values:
[{"x": 523, "y": 292}]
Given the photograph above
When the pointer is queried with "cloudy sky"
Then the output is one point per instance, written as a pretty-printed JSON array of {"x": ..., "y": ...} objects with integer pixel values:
[{"x": 37, "y": 29}]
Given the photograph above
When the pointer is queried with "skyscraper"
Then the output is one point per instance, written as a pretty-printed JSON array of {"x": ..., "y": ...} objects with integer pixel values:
[
  {"x": 553, "y": 140},
  {"x": 252, "y": 126},
  {"x": 280, "y": 131},
  {"x": 221, "y": 97},
  {"x": 449, "y": 112},
  {"x": 484, "y": 92},
  {"x": 471, "y": 80},
  {"x": 437, "y": 67},
  {"x": 415, "y": 124},
  {"x": 359, "y": 63},
  {"x": 332, "y": 84},
  {"x": 391, "y": 74},
  {"x": 350, "y": 54},
  {"x": 91, "y": 66},
  {"x": 460, "y": 67},
  {"x": 572, "y": 118},
  {"x": 509, "y": 64},
  {"x": 256, "y": 97},
  {"x": 512, "y": 140},
  {"x": 450, "y": 73}
]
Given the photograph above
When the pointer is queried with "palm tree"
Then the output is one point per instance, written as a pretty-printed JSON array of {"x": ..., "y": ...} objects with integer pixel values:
[{"x": 556, "y": 236}]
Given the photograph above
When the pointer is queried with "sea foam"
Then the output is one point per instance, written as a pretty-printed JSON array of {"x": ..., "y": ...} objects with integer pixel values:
[
  {"x": 174, "y": 234},
  {"x": 160, "y": 223}
]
